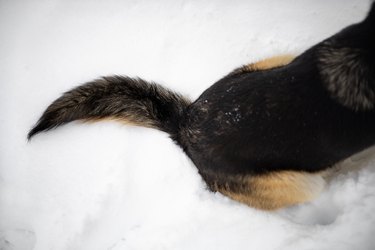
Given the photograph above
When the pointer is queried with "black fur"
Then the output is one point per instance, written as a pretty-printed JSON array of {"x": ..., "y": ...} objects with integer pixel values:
[{"x": 304, "y": 116}]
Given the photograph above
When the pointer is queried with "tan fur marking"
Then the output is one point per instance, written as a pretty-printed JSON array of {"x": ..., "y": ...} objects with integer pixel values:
[
  {"x": 130, "y": 122},
  {"x": 270, "y": 63},
  {"x": 276, "y": 190}
]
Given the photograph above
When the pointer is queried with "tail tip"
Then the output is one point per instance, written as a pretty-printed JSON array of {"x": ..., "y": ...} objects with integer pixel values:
[
  {"x": 39, "y": 127},
  {"x": 35, "y": 130},
  {"x": 31, "y": 134}
]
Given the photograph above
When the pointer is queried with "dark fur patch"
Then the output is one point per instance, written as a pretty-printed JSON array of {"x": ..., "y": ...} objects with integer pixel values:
[{"x": 347, "y": 76}]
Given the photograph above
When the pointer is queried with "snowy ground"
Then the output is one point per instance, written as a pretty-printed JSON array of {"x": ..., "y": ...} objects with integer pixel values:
[{"x": 109, "y": 186}]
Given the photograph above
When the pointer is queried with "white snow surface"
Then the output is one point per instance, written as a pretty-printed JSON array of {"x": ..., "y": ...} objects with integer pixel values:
[{"x": 110, "y": 186}]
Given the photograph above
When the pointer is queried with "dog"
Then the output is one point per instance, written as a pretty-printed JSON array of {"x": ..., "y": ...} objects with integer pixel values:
[{"x": 266, "y": 133}]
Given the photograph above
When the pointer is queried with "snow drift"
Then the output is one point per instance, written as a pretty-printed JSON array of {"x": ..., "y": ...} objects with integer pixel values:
[{"x": 110, "y": 186}]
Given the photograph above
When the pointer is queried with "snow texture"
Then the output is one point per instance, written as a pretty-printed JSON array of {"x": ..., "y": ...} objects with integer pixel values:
[{"x": 110, "y": 186}]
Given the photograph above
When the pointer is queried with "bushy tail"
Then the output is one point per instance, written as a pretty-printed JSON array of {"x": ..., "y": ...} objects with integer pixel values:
[{"x": 133, "y": 101}]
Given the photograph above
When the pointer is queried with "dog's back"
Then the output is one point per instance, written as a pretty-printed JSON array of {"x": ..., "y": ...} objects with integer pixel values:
[{"x": 305, "y": 115}]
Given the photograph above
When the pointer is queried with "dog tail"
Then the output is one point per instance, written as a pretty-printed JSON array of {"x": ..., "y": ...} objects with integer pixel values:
[{"x": 133, "y": 101}]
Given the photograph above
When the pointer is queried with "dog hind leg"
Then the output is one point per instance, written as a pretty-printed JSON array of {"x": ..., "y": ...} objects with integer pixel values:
[{"x": 273, "y": 190}]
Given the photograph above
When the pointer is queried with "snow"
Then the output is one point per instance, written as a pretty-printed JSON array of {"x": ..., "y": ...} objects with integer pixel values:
[{"x": 109, "y": 186}]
